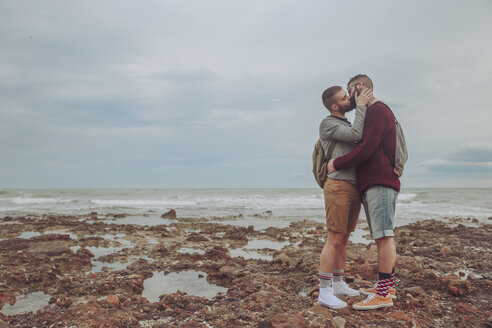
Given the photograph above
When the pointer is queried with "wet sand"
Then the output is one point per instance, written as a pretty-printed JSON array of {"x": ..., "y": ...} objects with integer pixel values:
[{"x": 104, "y": 271}]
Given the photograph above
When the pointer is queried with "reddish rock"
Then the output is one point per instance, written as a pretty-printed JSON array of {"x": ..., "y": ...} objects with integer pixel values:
[
  {"x": 112, "y": 299},
  {"x": 399, "y": 315},
  {"x": 460, "y": 287},
  {"x": 9, "y": 298},
  {"x": 445, "y": 250},
  {"x": 464, "y": 308},
  {"x": 285, "y": 320}
]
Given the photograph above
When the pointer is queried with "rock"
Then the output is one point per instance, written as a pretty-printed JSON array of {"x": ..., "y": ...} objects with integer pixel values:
[
  {"x": 445, "y": 250},
  {"x": 460, "y": 287},
  {"x": 286, "y": 320},
  {"x": 7, "y": 298},
  {"x": 94, "y": 215},
  {"x": 416, "y": 291},
  {"x": 3, "y": 324},
  {"x": 112, "y": 299},
  {"x": 169, "y": 215},
  {"x": 160, "y": 325},
  {"x": 50, "y": 248},
  {"x": 464, "y": 308},
  {"x": 344, "y": 311},
  {"x": 399, "y": 315},
  {"x": 338, "y": 322},
  {"x": 264, "y": 297},
  {"x": 306, "y": 261},
  {"x": 323, "y": 310},
  {"x": 282, "y": 258}
]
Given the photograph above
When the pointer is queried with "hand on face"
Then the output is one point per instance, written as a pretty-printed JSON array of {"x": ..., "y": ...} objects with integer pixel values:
[{"x": 364, "y": 97}]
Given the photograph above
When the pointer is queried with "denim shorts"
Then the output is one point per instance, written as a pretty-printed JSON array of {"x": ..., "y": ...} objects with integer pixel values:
[{"x": 379, "y": 204}]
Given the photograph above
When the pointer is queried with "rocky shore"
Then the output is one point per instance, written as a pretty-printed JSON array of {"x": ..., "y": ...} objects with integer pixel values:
[{"x": 105, "y": 271}]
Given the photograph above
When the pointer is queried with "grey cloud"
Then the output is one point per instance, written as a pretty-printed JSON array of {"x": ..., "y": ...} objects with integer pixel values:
[{"x": 469, "y": 158}]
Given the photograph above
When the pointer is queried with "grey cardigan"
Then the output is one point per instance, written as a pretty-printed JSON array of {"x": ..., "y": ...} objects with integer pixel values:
[{"x": 346, "y": 136}]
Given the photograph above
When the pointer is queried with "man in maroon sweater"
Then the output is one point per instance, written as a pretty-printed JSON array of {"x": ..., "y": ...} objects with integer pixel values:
[{"x": 379, "y": 188}]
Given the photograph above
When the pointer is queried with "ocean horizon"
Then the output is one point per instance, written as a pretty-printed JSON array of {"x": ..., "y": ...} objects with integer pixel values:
[{"x": 282, "y": 203}]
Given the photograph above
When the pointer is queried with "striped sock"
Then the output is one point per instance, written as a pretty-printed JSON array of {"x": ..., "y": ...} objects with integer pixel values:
[
  {"x": 393, "y": 276},
  {"x": 384, "y": 283},
  {"x": 337, "y": 275},
  {"x": 324, "y": 279}
]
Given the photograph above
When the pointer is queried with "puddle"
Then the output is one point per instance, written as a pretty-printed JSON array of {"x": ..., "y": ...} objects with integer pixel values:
[
  {"x": 139, "y": 220},
  {"x": 257, "y": 223},
  {"x": 184, "y": 281},
  {"x": 185, "y": 250},
  {"x": 153, "y": 241},
  {"x": 29, "y": 234},
  {"x": 97, "y": 266},
  {"x": 61, "y": 232},
  {"x": 265, "y": 243},
  {"x": 248, "y": 254},
  {"x": 464, "y": 273},
  {"x": 360, "y": 236},
  {"x": 27, "y": 303}
]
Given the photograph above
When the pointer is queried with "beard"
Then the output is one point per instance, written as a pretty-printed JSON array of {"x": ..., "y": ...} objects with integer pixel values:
[
  {"x": 347, "y": 108},
  {"x": 352, "y": 103}
]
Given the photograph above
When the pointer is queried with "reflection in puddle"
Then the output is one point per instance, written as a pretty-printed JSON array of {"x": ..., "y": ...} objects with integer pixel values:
[
  {"x": 265, "y": 243},
  {"x": 184, "y": 281},
  {"x": 247, "y": 254},
  {"x": 185, "y": 250},
  {"x": 27, "y": 303},
  {"x": 139, "y": 220},
  {"x": 97, "y": 266},
  {"x": 29, "y": 234}
]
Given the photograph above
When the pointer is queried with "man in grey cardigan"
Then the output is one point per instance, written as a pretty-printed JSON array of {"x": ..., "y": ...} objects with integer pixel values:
[{"x": 342, "y": 199}]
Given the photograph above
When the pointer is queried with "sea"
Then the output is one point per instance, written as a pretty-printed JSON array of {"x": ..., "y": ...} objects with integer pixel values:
[{"x": 284, "y": 204}]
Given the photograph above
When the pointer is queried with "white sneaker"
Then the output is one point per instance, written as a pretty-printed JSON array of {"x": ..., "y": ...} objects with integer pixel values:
[
  {"x": 326, "y": 298},
  {"x": 341, "y": 288}
]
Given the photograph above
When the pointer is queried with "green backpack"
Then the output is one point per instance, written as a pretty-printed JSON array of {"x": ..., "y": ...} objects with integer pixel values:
[{"x": 320, "y": 163}]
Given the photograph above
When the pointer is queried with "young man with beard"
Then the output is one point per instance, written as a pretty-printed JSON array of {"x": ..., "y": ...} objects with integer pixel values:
[
  {"x": 378, "y": 186},
  {"x": 342, "y": 200}
]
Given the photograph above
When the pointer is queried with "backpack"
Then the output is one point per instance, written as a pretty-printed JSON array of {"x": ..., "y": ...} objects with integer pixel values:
[
  {"x": 320, "y": 162},
  {"x": 401, "y": 151}
]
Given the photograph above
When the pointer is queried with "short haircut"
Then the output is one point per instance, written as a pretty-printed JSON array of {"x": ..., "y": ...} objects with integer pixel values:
[
  {"x": 328, "y": 94},
  {"x": 366, "y": 81}
]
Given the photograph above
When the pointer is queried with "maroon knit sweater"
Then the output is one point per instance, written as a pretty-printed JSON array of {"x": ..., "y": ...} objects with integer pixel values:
[{"x": 373, "y": 166}]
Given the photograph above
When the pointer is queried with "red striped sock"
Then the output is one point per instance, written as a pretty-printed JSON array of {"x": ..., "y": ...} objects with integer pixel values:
[
  {"x": 325, "y": 279},
  {"x": 393, "y": 277}
]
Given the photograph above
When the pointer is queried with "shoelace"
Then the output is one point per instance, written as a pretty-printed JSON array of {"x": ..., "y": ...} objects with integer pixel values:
[
  {"x": 345, "y": 286},
  {"x": 369, "y": 298}
]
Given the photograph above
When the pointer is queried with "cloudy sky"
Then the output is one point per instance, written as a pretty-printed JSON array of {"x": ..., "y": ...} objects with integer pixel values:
[{"x": 223, "y": 93}]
